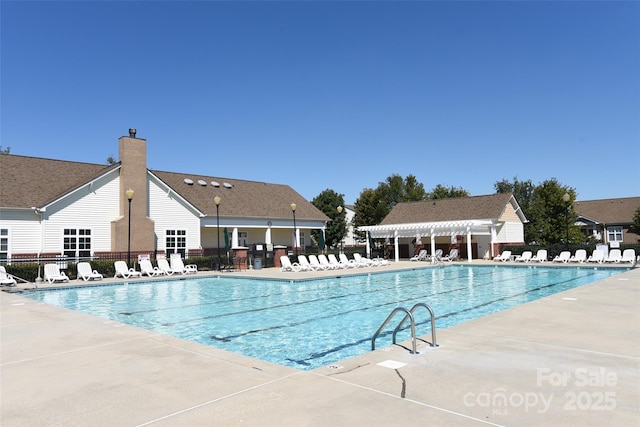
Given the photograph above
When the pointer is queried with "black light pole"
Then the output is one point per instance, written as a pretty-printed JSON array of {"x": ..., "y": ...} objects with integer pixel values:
[
  {"x": 339, "y": 209},
  {"x": 566, "y": 198},
  {"x": 295, "y": 229},
  {"x": 217, "y": 200},
  {"x": 129, "y": 193}
]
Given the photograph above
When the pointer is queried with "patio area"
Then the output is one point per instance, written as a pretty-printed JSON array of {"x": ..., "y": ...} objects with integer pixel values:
[{"x": 568, "y": 359}]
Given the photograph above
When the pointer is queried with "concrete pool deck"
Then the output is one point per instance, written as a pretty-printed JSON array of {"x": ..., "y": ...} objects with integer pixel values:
[{"x": 568, "y": 359}]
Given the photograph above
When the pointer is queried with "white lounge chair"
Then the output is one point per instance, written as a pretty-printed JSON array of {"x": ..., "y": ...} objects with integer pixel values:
[
  {"x": 359, "y": 259},
  {"x": 324, "y": 261},
  {"x": 580, "y": 256},
  {"x": 437, "y": 255},
  {"x": 340, "y": 264},
  {"x": 540, "y": 256},
  {"x": 123, "y": 271},
  {"x": 53, "y": 274},
  {"x": 525, "y": 257},
  {"x": 304, "y": 264},
  {"x": 453, "y": 255},
  {"x": 504, "y": 256},
  {"x": 146, "y": 268},
  {"x": 178, "y": 265},
  {"x": 615, "y": 255},
  {"x": 564, "y": 257},
  {"x": 86, "y": 273},
  {"x": 421, "y": 256},
  {"x": 345, "y": 262},
  {"x": 596, "y": 256},
  {"x": 5, "y": 278},
  {"x": 629, "y": 255},
  {"x": 287, "y": 265},
  {"x": 316, "y": 264},
  {"x": 163, "y": 265}
]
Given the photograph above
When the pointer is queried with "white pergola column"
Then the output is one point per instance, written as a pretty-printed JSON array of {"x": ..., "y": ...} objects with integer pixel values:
[
  {"x": 267, "y": 235},
  {"x": 494, "y": 237},
  {"x": 433, "y": 241},
  {"x": 296, "y": 234},
  {"x": 234, "y": 238},
  {"x": 368, "y": 246},
  {"x": 469, "y": 252},
  {"x": 396, "y": 246}
]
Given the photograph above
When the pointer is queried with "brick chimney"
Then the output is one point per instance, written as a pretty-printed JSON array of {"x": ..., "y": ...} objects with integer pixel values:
[{"x": 133, "y": 175}]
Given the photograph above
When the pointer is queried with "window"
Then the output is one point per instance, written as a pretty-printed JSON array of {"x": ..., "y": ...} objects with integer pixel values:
[
  {"x": 77, "y": 243},
  {"x": 615, "y": 233},
  {"x": 242, "y": 239},
  {"x": 4, "y": 245},
  {"x": 176, "y": 242},
  {"x": 302, "y": 245}
]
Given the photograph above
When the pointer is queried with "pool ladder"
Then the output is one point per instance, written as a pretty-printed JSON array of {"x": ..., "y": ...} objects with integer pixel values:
[{"x": 408, "y": 315}]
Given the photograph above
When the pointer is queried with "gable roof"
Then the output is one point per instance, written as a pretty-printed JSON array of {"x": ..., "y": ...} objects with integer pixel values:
[
  {"x": 34, "y": 182},
  {"x": 608, "y": 211},
  {"x": 247, "y": 199},
  {"x": 28, "y": 182},
  {"x": 490, "y": 207}
]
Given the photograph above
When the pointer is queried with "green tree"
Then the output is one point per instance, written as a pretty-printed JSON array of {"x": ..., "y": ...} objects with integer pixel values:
[
  {"x": 550, "y": 216},
  {"x": 111, "y": 160},
  {"x": 370, "y": 209},
  {"x": 635, "y": 227},
  {"x": 442, "y": 192},
  {"x": 521, "y": 190},
  {"x": 5, "y": 150},
  {"x": 328, "y": 202}
]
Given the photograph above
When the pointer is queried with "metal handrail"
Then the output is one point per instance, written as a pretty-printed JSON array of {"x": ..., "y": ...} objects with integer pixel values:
[
  {"x": 393, "y": 313},
  {"x": 433, "y": 323}
]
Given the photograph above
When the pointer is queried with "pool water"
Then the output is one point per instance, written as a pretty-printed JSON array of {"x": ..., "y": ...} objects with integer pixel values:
[{"x": 312, "y": 323}]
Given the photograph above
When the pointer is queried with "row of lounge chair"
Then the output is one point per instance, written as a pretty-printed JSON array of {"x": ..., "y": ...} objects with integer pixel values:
[
  {"x": 328, "y": 262},
  {"x": 53, "y": 274},
  {"x": 598, "y": 256},
  {"x": 423, "y": 255}
]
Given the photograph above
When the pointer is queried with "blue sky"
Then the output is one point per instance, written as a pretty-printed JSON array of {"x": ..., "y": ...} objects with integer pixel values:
[{"x": 330, "y": 94}]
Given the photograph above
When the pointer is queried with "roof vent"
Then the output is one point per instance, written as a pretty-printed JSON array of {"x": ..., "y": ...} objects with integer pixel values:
[
  {"x": 226, "y": 184},
  {"x": 132, "y": 133},
  {"x": 215, "y": 183},
  {"x": 188, "y": 181},
  {"x": 202, "y": 182}
]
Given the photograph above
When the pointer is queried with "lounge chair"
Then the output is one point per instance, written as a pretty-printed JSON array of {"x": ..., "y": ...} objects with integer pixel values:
[
  {"x": 525, "y": 257},
  {"x": 123, "y": 271},
  {"x": 629, "y": 255},
  {"x": 504, "y": 256},
  {"x": 564, "y": 257},
  {"x": 5, "y": 278},
  {"x": 580, "y": 256},
  {"x": 540, "y": 256},
  {"x": 164, "y": 265},
  {"x": 359, "y": 259},
  {"x": 340, "y": 264},
  {"x": 287, "y": 265},
  {"x": 421, "y": 256},
  {"x": 349, "y": 263},
  {"x": 596, "y": 256},
  {"x": 324, "y": 261},
  {"x": 86, "y": 273},
  {"x": 53, "y": 274},
  {"x": 305, "y": 265},
  {"x": 316, "y": 264},
  {"x": 437, "y": 255},
  {"x": 453, "y": 255},
  {"x": 146, "y": 268},
  {"x": 178, "y": 265},
  {"x": 615, "y": 255}
]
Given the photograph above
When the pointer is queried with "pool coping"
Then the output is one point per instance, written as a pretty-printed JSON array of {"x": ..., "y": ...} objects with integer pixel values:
[{"x": 63, "y": 367}]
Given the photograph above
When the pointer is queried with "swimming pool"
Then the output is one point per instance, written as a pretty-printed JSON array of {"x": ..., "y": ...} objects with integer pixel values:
[{"x": 312, "y": 323}]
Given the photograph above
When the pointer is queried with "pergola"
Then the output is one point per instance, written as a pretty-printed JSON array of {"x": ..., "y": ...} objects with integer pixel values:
[{"x": 432, "y": 230}]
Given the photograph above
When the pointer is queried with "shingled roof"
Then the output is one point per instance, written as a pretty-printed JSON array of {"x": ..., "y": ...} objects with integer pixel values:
[
  {"x": 451, "y": 209},
  {"x": 34, "y": 182},
  {"x": 608, "y": 211},
  {"x": 247, "y": 199}
]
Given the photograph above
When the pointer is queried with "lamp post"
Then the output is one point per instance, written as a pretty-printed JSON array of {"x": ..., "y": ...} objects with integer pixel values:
[
  {"x": 339, "y": 209},
  {"x": 566, "y": 198},
  {"x": 295, "y": 229},
  {"x": 217, "y": 201},
  {"x": 129, "y": 193}
]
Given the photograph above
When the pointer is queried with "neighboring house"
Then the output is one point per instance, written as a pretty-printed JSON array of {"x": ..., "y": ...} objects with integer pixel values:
[
  {"x": 476, "y": 226},
  {"x": 608, "y": 220},
  {"x": 54, "y": 208}
]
